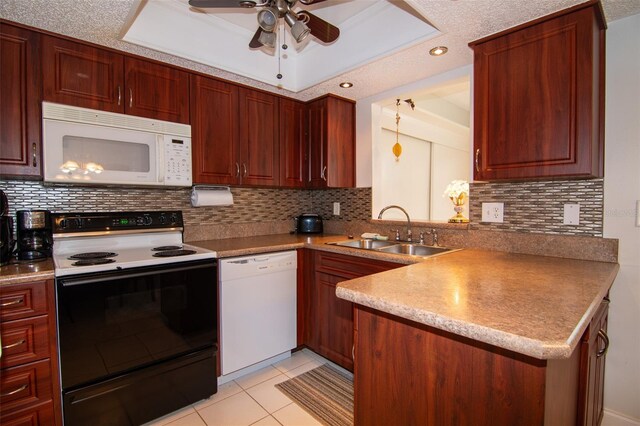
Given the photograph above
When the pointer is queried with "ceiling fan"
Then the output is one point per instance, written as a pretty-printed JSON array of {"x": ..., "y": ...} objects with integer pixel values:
[{"x": 301, "y": 23}]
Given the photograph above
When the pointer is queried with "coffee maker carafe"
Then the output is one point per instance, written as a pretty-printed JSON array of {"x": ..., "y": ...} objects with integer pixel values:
[{"x": 34, "y": 234}]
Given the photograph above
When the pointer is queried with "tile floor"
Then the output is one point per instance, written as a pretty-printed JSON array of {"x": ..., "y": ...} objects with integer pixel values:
[{"x": 251, "y": 399}]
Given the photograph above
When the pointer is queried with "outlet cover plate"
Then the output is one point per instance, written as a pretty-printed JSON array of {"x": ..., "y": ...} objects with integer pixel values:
[
  {"x": 493, "y": 212},
  {"x": 571, "y": 214},
  {"x": 336, "y": 209}
]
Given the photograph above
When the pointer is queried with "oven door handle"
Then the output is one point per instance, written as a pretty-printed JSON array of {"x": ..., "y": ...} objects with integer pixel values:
[{"x": 68, "y": 282}]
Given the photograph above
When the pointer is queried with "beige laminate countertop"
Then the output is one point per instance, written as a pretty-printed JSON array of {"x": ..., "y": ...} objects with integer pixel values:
[
  {"x": 26, "y": 272},
  {"x": 534, "y": 305}
]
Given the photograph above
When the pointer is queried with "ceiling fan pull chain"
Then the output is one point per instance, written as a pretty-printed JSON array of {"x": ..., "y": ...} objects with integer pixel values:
[{"x": 279, "y": 76}]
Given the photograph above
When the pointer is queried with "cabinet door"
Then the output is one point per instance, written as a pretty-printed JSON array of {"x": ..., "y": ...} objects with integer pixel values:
[
  {"x": 259, "y": 153},
  {"x": 334, "y": 318},
  {"x": 594, "y": 347},
  {"x": 214, "y": 106},
  {"x": 340, "y": 141},
  {"x": 538, "y": 95},
  {"x": 20, "y": 148},
  {"x": 317, "y": 144},
  {"x": 292, "y": 146},
  {"x": 156, "y": 91},
  {"x": 82, "y": 76}
]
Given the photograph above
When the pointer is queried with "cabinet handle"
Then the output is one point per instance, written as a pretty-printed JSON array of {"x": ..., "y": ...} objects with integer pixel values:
[
  {"x": 119, "y": 95},
  {"x": 13, "y": 302},
  {"x": 244, "y": 170},
  {"x": 130, "y": 97},
  {"x": 603, "y": 335},
  {"x": 15, "y": 391},
  {"x": 323, "y": 173},
  {"x": 34, "y": 156},
  {"x": 353, "y": 352},
  {"x": 477, "y": 160},
  {"x": 237, "y": 169},
  {"x": 13, "y": 345}
]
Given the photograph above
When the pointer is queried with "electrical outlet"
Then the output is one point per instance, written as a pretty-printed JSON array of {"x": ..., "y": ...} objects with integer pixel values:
[
  {"x": 336, "y": 209},
  {"x": 493, "y": 212},
  {"x": 571, "y": 214}
]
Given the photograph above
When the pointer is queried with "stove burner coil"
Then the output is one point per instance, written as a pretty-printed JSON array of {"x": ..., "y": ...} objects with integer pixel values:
[
  {"x": 171, "y": 253},
  {"x": 93, "y": 255},
  {"x": 93, "y": 261},
  {"x": 165, "y": 248}
]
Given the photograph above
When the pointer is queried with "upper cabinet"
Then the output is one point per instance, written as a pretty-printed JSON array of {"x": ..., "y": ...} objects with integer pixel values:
[
  {"x": 292, "y": 143},
  {"x": 235, "y": 134},
  {"x": 331, "y": 143},
  {"x": 20, "y": 148},
  {"x": 91, "y": 77},
  {"x": 539, "y": 98}
]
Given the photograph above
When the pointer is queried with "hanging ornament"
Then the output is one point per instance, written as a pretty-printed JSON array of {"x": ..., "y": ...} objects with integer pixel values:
[{"x": 397, "y": 148}]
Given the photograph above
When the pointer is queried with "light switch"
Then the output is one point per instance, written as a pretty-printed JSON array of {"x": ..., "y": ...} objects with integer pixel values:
[
  {"x": 571, "y": 214},
  {"x": 336, "y": 209}
]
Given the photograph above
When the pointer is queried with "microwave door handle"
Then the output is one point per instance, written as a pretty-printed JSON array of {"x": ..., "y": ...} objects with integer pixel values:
[{"x": 160, "y": 158}]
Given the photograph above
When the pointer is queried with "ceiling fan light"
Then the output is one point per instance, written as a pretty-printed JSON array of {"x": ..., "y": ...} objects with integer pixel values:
[
  {"x": 268, "y": 19},
  {"x": 299, "y": 29},
  {"x": 268, "y": 39}
]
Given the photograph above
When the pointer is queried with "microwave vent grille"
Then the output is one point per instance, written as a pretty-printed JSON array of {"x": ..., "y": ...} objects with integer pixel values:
[{"x": 111, "y": 119}]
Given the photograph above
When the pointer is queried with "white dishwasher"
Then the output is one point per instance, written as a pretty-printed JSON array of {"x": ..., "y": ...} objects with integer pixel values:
[{"x": 257, "y": 308}]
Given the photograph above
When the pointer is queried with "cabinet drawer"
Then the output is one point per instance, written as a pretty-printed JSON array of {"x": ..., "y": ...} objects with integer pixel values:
[
  {"x": 351, "y": 266},
  {"x": 33, "y": 416},
  {"x": 24, "y": 341},
  {"x": 25, "y": 385},
  {"x": 23, "y": 300}
]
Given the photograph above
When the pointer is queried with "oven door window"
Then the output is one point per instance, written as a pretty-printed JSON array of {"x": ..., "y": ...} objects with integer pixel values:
[{"x": 116, "y": 322}]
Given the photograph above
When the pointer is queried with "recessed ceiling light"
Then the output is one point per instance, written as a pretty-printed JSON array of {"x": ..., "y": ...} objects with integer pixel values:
[
  {"x": 438, "y": 51},
  {"x": 346, "y": 84}
]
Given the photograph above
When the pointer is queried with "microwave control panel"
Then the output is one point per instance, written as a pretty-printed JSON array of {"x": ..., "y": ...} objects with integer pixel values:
[{"x": 177, "y": 154}]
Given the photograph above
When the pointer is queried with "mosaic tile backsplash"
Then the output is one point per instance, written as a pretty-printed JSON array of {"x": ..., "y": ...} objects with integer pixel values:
[{"x": 533, "y": 207}]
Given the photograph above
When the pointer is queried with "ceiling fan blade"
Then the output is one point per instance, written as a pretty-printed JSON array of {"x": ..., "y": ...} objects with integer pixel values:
[
  {"x": 320, "y": 28},
  {"x": 308, "y": 2},
  {"x": 222, "y": 3},
  {"x": 255, "y": 43}
]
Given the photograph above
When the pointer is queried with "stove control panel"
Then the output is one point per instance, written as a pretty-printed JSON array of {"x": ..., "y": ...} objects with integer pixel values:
[{"x": 109, "y": 221}]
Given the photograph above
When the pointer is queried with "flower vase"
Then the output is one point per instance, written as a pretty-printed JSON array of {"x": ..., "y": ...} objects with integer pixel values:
[{"x": 458, "y": 203}]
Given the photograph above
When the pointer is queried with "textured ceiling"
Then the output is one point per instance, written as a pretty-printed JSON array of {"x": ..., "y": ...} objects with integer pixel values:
[{"x": 461, "y": 21}]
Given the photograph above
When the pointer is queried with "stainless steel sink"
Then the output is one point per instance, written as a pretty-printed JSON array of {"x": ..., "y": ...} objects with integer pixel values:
[
  {"x": 414, "y": 249},
  {"x": 365, "y": 244},
  {"x": 393, "y": 247}
]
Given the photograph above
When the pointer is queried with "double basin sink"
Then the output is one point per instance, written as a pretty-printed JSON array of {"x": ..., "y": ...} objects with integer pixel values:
[{"x": 394, "y": 247}]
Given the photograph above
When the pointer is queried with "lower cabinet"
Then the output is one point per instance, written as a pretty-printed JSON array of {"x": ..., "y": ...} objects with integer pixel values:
[
  {"x": 410, "y": 373},
  {"x": 328, "y": 320},
  {"x": 29, "y": 385},
  {"x": 593, "y": 346}
]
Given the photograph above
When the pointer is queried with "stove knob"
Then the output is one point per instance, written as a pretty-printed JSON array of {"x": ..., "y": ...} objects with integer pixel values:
[
  {"x": 174, "y": 219},
  {"x": 148, "y": 220},
  {"x": 140, "y": 220},
  {"x": 162, "y": 219},
  {"x": 62, "y": 224},
  {"x": 78, "y": 223}
]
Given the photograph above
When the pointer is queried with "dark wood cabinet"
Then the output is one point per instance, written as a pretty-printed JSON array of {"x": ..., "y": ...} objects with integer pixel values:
[
  {"x": 29, "y": 384},
  {"x": 91, "y": 77},
  {"x": 20, "y": 147},
  {"x": 331, "y": 143},
  {"x": 539, "y": 98},
  {"x": 234, "y": 134},
  {"x": 292, "y": 144},
  {"x": 593, "y": 347},
  {"x": 328, "y": 320},
  {"x": 259, "y": 145}
]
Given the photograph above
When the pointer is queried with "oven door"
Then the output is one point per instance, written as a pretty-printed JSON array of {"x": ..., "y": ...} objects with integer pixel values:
[{"x": 119, "y": 322}]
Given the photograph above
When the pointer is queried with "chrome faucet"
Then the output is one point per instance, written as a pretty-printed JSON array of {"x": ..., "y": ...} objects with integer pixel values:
[
  {"x": 393, "y": 206},
  {"x": 434, "y": 235}
]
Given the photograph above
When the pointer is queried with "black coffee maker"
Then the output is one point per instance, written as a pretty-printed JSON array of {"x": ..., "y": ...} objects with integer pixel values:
[
  {"x": 34, "y": 234},
  {"x": 6, "y": 231}
]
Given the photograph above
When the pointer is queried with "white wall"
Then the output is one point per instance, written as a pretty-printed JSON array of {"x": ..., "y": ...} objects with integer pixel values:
[{"x": 621, "y": 190}]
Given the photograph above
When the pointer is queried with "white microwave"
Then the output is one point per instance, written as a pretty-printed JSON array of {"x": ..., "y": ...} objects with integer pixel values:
[{"x": 87, "y": 146}]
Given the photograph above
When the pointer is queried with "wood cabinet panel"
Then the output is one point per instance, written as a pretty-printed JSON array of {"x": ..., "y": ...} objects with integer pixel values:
[
  {"x": 20, "y": 147},
  {"x": 83, "y": 75},
  {"x": 156, "y": 91},
  {"x": 259, "y": 144},
  {"x": 214, "y": 131},
  {"x": 292, "y": 144},
  {"x": 593, "y": 346},
  {"x": 23, "y": 300},
  {"x": 25, "y": 385},
  {"x": 331, "y": 143},
  {"x": 43, "y": 414},
  {"x": 538, "y": 94},
  {"x": 24, "y": 340}
]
